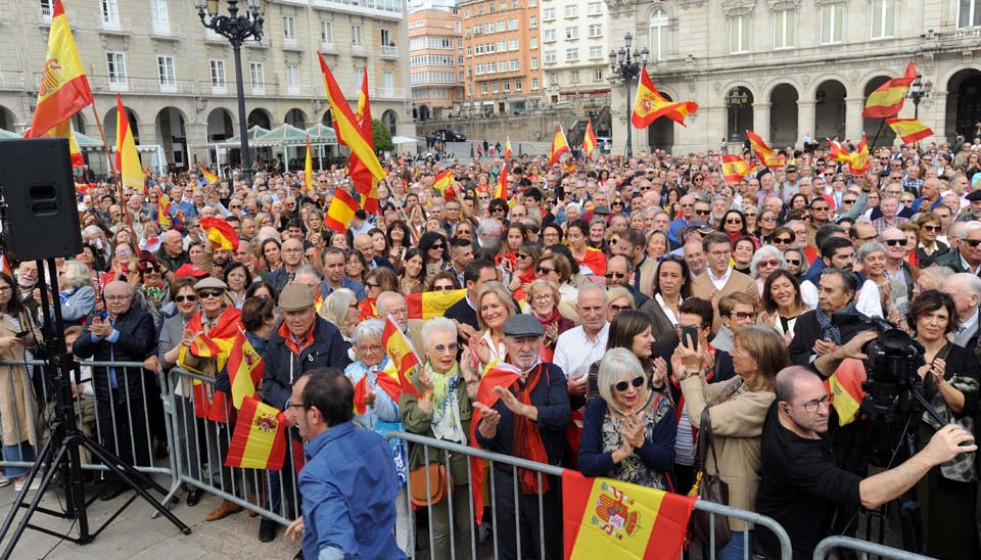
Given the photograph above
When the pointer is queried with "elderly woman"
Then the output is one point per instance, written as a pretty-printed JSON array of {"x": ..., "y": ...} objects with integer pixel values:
[
  {"x": 340, "y": 308},
  {"x": 797, "y": 263},
  {"x": 950, "y": 381},
  {"x": 376, "y": 396},
  {"x": 494, "y": 307},
  {"x": 872, "y": 257},
  {"x": 77, "y": 296},
  {"x": 18, "y": 407},
  {"x": 443, "y": 411},
  {"x": 736, "y": 410},
  {"x": 629, "y": 433},
  {"x": 657, "y": 245},
  {"x": 544, "y": 301},
  {"x": 928, "y": 247},
  {"x": 765, "y": 262},
  {"x": 618, "y": 299}
]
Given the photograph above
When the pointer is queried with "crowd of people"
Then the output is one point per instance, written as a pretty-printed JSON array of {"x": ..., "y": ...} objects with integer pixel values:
[{"x": 643, "y": 301}]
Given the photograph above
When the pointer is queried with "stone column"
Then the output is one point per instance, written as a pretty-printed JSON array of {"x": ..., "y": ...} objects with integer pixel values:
[
  {"x": 853, "y": 118},
  {"x": 806, "y": 115},
  {"x": 761, "y": 120}
]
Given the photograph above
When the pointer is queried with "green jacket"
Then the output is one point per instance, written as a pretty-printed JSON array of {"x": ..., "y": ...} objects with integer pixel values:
[{"x": 418, "y": 422}]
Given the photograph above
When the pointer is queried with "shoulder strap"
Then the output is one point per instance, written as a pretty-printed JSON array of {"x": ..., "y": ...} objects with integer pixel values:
[{"x": 706, "y": 438}]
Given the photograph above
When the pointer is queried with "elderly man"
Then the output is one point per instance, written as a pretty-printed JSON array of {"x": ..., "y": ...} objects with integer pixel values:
[
  {"x": 897, "y": 268},
  {"x": 292, "y": 259},
  {"x": 618, "y": 273},
  {"x": 579, "y": 347},
  {"x": 967, "y": 255},
  {"x": 304, "y": 342},
  {"x": 965, "y": 289},
  {"x": 719, "y": 278},
  {"x": 694, "y": 256},
  {"x": 349, "y": 482},
  {"x": 526, "y": 417},
  {"x": 687, "y": 205},
  {"x": 488, "y": 234},
  {"x": 363, "y": 245},
  {"x": 394, "y": 304},
  {"x": 121, "y": 333},
  {"x": 890, "y": 215},
  {"x": 171, "y": 253}
]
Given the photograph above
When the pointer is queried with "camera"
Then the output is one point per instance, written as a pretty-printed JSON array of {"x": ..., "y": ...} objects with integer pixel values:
[{"x": 892, "y": 359}]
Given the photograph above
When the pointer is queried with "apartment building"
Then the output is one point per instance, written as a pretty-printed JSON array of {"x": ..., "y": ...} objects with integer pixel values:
[
  {"x": 436, "y": 62},
  {"x": 574, "y": 49},
  {"x": 502, "y": 55},
  {"x": 178, "y": 80}
]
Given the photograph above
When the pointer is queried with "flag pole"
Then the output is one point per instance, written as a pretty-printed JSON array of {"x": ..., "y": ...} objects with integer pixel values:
[
  {"x": 877, "y": 133},
  {"x": 112, "y": 167}
]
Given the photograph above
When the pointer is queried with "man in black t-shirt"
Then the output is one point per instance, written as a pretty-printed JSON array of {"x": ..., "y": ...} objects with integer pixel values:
[{"x": 801, "y": 488}]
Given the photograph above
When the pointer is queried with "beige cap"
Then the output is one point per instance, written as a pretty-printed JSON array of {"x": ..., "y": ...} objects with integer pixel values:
[{"x": 295, "y": 297}]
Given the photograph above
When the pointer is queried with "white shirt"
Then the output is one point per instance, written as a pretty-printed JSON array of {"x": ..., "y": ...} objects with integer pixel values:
[
  {"x": 575, "y": 352},
  {"x": 975, "y": 271},
  {"x": 719, "y": 283}
]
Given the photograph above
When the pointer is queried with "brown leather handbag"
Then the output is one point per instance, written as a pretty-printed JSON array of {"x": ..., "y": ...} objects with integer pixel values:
[
  {"x": 422, "y": 494},
  {"x": 711, "y": 488}
]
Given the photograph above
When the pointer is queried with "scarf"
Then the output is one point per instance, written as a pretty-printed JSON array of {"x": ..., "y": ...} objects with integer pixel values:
[
  {"x": 446, "y": 423},
  {"x": 528, "y": 442},
  {"x": 829, "y": 329}
]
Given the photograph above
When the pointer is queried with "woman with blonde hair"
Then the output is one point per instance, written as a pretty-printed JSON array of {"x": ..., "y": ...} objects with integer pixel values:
[
  {"x": 341, "y": 309},
  {"x": 543, "y": 304},
  {"x": 494, "y": 307},
  {"x": 735, "y": 410}
]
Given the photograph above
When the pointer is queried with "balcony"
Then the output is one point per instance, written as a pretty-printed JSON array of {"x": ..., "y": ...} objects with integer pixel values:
[
  {"x": 389, "y": 51},
  {"x": 160, "y": 29},
  {"x": 12, "y": 81},
  {"x": 219, "y": 89},
  {"x": 328, "y": 47},
  {"x": 115, "y": 26},
  {"x": 44, "y": 15},
  {"x": 258, "y": 89},
  {"x": 103, "y": 83},
  {"x": 252, "y": 43},
  {"x": 391, "y": 9},
  {"x": 387, "y": 93},
  {"x": 292, "y": 44},
  {"x": 359, "y": 49},
  {"x": 295, "y": 90}
]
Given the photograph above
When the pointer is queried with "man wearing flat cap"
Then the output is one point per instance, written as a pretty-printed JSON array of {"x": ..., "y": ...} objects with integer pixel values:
[
  {"x": 305, "y": 341},
  {"x": 526, "y": 417}
]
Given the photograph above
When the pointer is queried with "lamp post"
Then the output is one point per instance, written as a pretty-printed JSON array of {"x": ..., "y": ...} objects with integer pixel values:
[
  {"x": 917, "y": 92},
  {"x": 735, "y": 100},
  {"x": 237, "y": 29},
  {"x": 626, "y": 65}
]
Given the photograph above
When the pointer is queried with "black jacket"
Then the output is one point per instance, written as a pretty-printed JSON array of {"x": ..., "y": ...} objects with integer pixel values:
[
  {"x": 137, "y": 341},
  {"x": 807, "y": 331},
  {"x": 283, "y": 367}
]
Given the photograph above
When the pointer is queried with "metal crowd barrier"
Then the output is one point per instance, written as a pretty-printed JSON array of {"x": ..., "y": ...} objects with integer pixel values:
[{"x": 865, "y": 548}]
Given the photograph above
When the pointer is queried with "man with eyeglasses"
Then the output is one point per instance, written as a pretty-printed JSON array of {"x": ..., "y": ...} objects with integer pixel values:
[
  {"x": 819, "y": 212},
  {"x": 719, "y": 278},
  {"x": 394, "y": 304},
  {"x": 619, "y": 271},
  {"x": 894, "y": 239},
  {"x": 803, "y": 488},
  {"x": 967, "y": 256},
  {"x": 687, "y": 205},
  {"x": 292, "y": 259}
]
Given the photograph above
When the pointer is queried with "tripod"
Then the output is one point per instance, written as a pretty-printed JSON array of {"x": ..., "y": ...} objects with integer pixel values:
[{"x": 60, "y": 453}]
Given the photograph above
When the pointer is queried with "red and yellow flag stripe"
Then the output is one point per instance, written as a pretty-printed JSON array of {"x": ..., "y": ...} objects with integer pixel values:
[{"x": 259, "y": 441}]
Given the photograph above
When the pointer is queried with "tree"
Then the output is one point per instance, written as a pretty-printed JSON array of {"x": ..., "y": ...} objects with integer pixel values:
[{"x": 382, "y": 136}]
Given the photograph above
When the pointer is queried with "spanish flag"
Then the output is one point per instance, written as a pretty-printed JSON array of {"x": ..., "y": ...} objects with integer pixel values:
[
  {"x": 259, "y": 441},
  {"x": 308, "y": 167},
  {"x": 426, "y": 305},
  {"x": 220, "y": 233},
  {"x": 858, "y": 161},
  {"x": 650, "y": 105},
  {"x": 764, "y": 154},
  {"x": 445, "y": 179},
  {"x": 501, "y": 190},
  {"x": 63, "y": 90},
  {"x": 839, "y": 152},
  {"x": 734, "y": 168},
  {"x": 245, "y": 368},
  {"x": 887, "y": 100},
  {"x": 589, "y": 141},
  {"x": 164, "y": 209},
  {"x": 349, "y": 133},
  {"x": 341, "y": 211},
  {"x": 399, "y": 349},
  {"x": 507, "y": 148},
  {"x": 602, "y": 517},
  {"x": 845, "y": 389},
  {"x": 4, "y": 263},
  {"x": 909, "y": 130},
  {"x": 364, "y": 183},
  {"x": 559, "y": 146},
  {"x": 65, "y": 130},
  {"x": 127, "y": 158},
  {"x": 360, "y": 396},
  {"x": 208, "y": 175}
]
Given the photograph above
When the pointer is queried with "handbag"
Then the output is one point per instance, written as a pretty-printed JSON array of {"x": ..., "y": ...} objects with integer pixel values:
[
  {"x": 711, "y": 488},
  {"x": 422, "y": 494}
]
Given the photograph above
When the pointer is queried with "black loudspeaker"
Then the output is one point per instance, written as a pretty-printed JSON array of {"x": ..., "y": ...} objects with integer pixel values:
[{"x": 37, "y": 199}]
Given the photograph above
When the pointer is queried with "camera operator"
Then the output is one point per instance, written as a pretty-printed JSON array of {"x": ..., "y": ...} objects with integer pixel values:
[{"x": 801, "y": 486}]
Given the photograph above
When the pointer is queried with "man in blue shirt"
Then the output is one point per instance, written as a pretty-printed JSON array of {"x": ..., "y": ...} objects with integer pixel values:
[{"x": 349, "y": 483}]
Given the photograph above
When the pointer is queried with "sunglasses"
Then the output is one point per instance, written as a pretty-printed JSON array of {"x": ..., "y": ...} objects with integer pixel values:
[
  {"x": 542, "y": 270},
  {"x": 442, "y": 288},
  {"x": 734, "y": 221},
  {"x": 211, "y": 293},
  {"x": 742, "y": 315},
  {"x": 768, "y": 219},
  {"x": 437, "y": 246},
  {"x": 703, "y": 212},
  {"x": 847, "y": 201},
  {"x": 523, "y": 257},
  {"x": 443, "y": 348},
  {"x": 894, "y": 242},
  {"x": 793, "y": 262},
  {"x": 636, "y": 382},
  {"x": 610, "y": 275},
  {"x": 931, "y": 228},
  {"x": 372, "y": 285},
  {"x": 782, "y": 240},
  {"x": 619, "y": 308},
  {"x": 771, "y": 262},
  {"x": 182, "y": 299},
  {"x": 972, "y": 242}
]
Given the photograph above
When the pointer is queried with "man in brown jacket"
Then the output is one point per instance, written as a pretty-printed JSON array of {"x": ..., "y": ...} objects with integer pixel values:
[{"x": 719, "y": 278}]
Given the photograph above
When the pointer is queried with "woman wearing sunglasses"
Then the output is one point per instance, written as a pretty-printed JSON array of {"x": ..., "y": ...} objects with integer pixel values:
[
  {"x": 929, "y": 248},
  {"x": 736, "y": 409},
  {"x": 526, "y": 257},
  {"x": 628, "y": 433},
  {"x": 797, "y": 263}
]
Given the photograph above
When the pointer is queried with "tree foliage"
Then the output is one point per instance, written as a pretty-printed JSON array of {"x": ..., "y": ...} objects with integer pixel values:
[{"x": 382, "y": 136}]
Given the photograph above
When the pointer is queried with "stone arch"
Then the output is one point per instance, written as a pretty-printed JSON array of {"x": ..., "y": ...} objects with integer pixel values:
[
  {"x": 875, "y": 129},
  {"x": 783, "y": 100},
  {"x": 296, "y": 117},
  {"x": 424, "y": 112},
  {"x": 109, "y": 125},
  {"x": 391, "y": 120},
  {"x": 739, "y": 118},
  {"x": 171, "y": 125},
  {"x": 220, "y": 125},
  {"x": 260, "y": 117},
  {"x": 79, "y": 122},
  {"x": 829, "y": 109},
  {"x": 963, "y": 102},
  {"x": 327, "y": 119},
  {"x": 661, "y": 132}
]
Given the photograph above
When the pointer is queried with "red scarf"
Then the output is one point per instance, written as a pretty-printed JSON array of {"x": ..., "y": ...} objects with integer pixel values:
[{"x": 528, "y": 442}]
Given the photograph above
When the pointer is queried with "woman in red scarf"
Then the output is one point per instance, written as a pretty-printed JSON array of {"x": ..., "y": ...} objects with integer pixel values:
[{"x": 543, "y": 301}]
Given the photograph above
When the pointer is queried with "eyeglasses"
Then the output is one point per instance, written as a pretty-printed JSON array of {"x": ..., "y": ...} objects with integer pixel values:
[
  {"x": 124, "y": 252},
  {"x": 771, "y": 262},
  {"x": 782, "y": 240},
  {"x": 820, "y": 208},
  {"x": 742, "y": 315},
  {"x": 443, "y": 348},
  {"x": 523, "y": 257},
  {"x": 373, "y": 285},
  {"x": 369, "y": 349},
  {"x": 442, "y": 288},
  {"x": 811, "y": 407},
  {"x": 437, "y": 246},
  {"x": 182, "y": 299},
  {"x": 542, "y": 298},
  {"x": 703, "y": 212},
  {"x": 849, "y": 201},
  {"x": 768, "y": 219},
  {"x": 972, "y": 242},
  {"x": 542, "y": 270},
  {"x": 794, "y": 262},
  {"x": 734, "y": 221},
  {"x": 624, "y": 385},
  {"x": 619, "y": 308},
  {"x": 297, "y": 405},
  {"x": 687, "y": 205},
  {"x": 900, "y": 242},
  {"x": 211, "y": 293},
  {"x": 116, "y": 298},
  {"x": 610, "y": 275}
]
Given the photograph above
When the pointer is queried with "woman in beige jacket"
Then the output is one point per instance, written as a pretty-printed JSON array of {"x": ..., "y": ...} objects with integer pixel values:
[
  {"x": 18, "y": 406},
  {"x": 737, "y": 409}
]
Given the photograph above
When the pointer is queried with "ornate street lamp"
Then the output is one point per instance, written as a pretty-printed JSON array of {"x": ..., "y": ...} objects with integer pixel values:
[
  {"x": 626, "y": 65},
  {"x": 736, "y": 99},
  {"x": 917, "y": 92},
  {"x": 237, "y": 29}
]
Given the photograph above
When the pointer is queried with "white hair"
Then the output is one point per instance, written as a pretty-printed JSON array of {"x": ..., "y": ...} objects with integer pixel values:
[{"x": 435, "y": 325}]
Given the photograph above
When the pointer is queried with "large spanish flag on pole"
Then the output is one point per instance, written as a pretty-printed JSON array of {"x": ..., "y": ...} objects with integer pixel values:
[
  {"x": 346, "y": 125},
  {"x": 589, "y": 141},
  {"x": 64, "y": 90},
  {"x": 426, "y": 305},
  {"x": 559, "y": 146},
  {"x": 608, "y": 518},
  {"x": 127, "y": 158},
  {"x": 887, "y": 99},
  {"x": 909, "y": 130},
  {"x": 650, "y": 105},
  {"x": 258, "y": 441},
  {"x": 762, "y": 152},
  {"x": 364, "y": 183}
]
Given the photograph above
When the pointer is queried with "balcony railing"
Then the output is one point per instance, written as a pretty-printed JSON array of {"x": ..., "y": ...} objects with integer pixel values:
[
  {"x": 387, "y": 93},
  {"x": 44, "y": 13},
  {"x": 116, "y": 25},
  {"x": 292, "y": 44},
  {"x": 327, "y": 46},
  {"x": 389, "y": 51},
  {"x": 390, "y": 6},
  {"x": 296, "y": 90},
  {"x": 159, "y": 27},
  {"x": 11, "y": 81},
  {"x": 258, "y": 89}
]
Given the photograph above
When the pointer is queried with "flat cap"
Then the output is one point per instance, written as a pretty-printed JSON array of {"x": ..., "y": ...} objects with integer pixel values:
[
  {"x": 295, "y": 297},
  {"x": 974, "y": 196},
  {"x": 210, "y": 283},
  {"x": 523, "y": 326}
]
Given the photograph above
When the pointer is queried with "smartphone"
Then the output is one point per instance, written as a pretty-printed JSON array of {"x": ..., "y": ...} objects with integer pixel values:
[
  {"x": 22, "y": 334},
  {"x": 690, "y": 336}
]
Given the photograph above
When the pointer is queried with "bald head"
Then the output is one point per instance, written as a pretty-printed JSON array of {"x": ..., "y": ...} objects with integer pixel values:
[{"x": 790, "y": 378}]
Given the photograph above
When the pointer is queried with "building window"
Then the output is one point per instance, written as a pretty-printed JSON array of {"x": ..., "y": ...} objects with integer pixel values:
[
  {"x": 479, "y": 70},
  {"x": 483, "y": 89},
  {"x": 553, "y": 78},
  {"x": 478, "y": 29},
  {"x": 832, "y": 20},
  {"x": 784, "y": 24},
  {"x": 469, "y": 51},
  {"x": 507, "y": 87},
  {"x": 549, "y": 36},
  {"x": 388, "y": 82},
  {"x": 289, "y": 29},
  {"x": 292, "y": 76},
  {"x": 116, "y": 68},
  {"x": 571, "y": 10},
  {"x": 356, "y": 36},
  {"x": 501, "y": 26},
  {"x": 326, "y": 32},
  {"x": 515, "y": 65},
  {"x": 517, "y": 85},
  {"x": 166, "y": 74},
  {"x": 502, "y": 46},
  {"x": 218, "y": 73},
  {"x": 549, "y": 57},
  {"x": 256, "y": 74},
  {"x": 548, "y": 14},
  {"x": 595, "y": 30},
  {"x": 738, "y": 34},
  {"x": 533, "y": 22},
  {"x": 386, "y": 38},
  {"x": 572, "y": 54},
  {"x": 534, "y": 63},
  {"x": 884, "y": 18},
  {"x": 534, "y": 84},
  {"x": 575, "y": 76},
  {"x": 532, "y": 3},
  {"x": 534, "y": 42},
  {"x": 659, "y": 35},
  {"x": 47, "y": 7},
  {"x": 495, "y": 87},
  {"x": 502, "y": 66},
  {"x": 466, "y": 14},
  {"x": 572, "y": 32},
  {"x": 595, "y": 8},
  {"x": 595, "y": 53},
  {"x": 513, "y": 24},
  {"x": 598, "y": 75},
  {"x": 160, "y": 16},
  {"x": 514, "y": 45}
]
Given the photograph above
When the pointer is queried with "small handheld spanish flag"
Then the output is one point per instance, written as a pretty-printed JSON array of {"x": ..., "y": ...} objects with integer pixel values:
[
  {"x": 909, "y": 130},
  {"x": 589, "y": 141},
  {"x": 734, "y": 168},
  {"x": 259, "y": 441}
]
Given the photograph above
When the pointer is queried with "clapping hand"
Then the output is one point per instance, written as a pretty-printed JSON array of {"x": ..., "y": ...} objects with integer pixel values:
[
  {"x": 659, "y": 372},
  {"x": 511, "y": 401},
  {"x": 824, "y": 346},
  {"x": 632, "y": 430},
  {"x": 489, "y": 419},
  {"x": 100, "y": 327}
]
